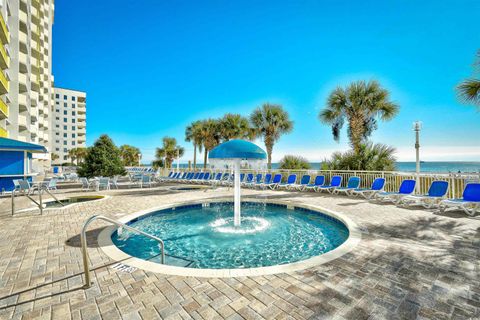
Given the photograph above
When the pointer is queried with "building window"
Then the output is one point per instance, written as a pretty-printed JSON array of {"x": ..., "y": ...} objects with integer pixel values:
[
  {"x": 58, "y": 110},
  {"x": 57, "y": 149},
  {"x": 73, "y": 135},
  {"x": 73, "y": 120},
  {"x": 73, "y": 98},
  {"x": 65, "y": 135},
  {"x": 57, "y": 126},
  {"x": 57, "y": 102},
  {"x": 57, "y": 141},
  {"x": 64, "y": 97},
  {"x": 73, "y": 105},
  {"x": 65, "y": 150},
  {"x": 64, "y": 127},
  {"x": 65, "y": 105},
  {"x": 65, "y": 112},
  {"x": 73, "y": 128},
  {"x": 64, "y": 119},
  {"x": 73, "y": 143},
  {"x": 73, "y": 113},
  {"x": 57, "y": 118},
  {"x": 57, "y": 96},
  {"x": 65, "y": 157},
  {"x": 57, "y": 133},
  {"x": 65, "y": 142}
]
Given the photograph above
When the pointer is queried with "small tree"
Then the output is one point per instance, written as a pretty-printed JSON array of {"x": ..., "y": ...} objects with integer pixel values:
[
  {"x": 103, "y": 159},
  {"x": 374, "y": 157},
  {"x": 130, "y": 155},
  {"x": 294, "y": 162},
  {"x": 54, "y": 156},
  {"x": 169, "y": 151}
]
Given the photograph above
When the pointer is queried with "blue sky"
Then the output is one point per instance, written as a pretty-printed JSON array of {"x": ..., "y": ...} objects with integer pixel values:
[{"x": 152, "y": 67}]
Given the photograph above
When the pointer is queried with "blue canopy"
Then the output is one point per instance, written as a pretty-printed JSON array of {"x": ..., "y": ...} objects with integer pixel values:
[
  {"x": 15, "y": 145},
  {"x": 237, "y": 149}
]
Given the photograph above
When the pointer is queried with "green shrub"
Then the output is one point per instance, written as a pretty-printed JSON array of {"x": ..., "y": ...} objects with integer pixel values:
[
  {"x": 102, "y": 160},
  {"x": 374, "y": 157},
  {"x": 294, "y": 163}
]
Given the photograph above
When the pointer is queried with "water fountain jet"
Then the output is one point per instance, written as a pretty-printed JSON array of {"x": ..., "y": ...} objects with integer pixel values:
[{"x": 235, "y": 153}]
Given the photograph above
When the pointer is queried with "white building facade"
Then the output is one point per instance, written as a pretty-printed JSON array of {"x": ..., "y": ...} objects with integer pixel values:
[{"x": 68, "y": 123}]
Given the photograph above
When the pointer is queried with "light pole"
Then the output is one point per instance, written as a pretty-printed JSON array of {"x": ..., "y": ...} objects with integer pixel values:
[
  {"x": 178, "y": 160},
  {"x": 417, "y": 126}
]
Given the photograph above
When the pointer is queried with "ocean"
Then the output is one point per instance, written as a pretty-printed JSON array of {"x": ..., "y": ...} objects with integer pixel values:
[{"x": 428, "y": 166}]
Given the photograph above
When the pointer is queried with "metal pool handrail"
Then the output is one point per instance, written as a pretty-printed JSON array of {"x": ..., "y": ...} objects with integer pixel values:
[{"x": 83, "y": 240}]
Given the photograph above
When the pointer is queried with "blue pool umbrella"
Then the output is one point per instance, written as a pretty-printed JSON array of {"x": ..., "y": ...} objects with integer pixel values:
[{"x": 234, "y": 152}]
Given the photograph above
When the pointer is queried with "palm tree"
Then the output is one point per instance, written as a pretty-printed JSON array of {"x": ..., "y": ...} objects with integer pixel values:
[
  {"x": 169, "y": 150},
  {"x": 374, "y": 157},
  {"x": 72, "y": 153},
  {"x": 210, "y": 137},
  {"x": 469, "y": 89},
  {"x": 54, "y": 156},
  {"x": 270, "y": 121},
  {"x": 360, "y": 104},
  {"x": 81, "y": 154},
  {"x": 235, "y": 126},
  {"x": 290, "y": 162},
  {"x": 193, "y": 134}
]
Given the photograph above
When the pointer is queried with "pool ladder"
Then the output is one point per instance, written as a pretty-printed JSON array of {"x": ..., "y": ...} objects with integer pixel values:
[{"x": 83, "y": 240}]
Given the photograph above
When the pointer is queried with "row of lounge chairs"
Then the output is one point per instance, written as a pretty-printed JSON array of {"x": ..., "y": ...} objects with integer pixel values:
[{"x": 434, "y": 198}]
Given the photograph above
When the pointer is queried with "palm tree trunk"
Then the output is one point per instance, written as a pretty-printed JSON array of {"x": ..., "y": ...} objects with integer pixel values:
[
  {"x": 205, "y": 158},
  {"x": 356, "y": 132},
  {"x": 269, "y": 146},
  {"x": 194, "y": 157}
]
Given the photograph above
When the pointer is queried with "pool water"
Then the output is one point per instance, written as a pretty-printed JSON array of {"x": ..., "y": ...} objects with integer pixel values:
[{"x": 204, "y": 236}]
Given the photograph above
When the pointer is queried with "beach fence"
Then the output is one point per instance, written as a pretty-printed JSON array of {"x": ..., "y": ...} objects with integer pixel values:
[{"x": 393, "y": 179}]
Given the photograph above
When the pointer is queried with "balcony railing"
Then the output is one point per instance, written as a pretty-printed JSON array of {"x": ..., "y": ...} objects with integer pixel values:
[
  {"x": 3, "y": 109},
  {"x": 3, "y": 133},
  {"x": 4, "y": 58},
  {"x": 4, "y": 33},
  {"x": 4, "y": 84}
]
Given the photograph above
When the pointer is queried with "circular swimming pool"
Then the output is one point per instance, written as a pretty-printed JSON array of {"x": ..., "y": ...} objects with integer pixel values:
[{"x": 203, "y": 235}]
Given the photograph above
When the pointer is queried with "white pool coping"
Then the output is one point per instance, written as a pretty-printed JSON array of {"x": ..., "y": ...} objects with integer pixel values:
[{"x": 111, "y": 250}]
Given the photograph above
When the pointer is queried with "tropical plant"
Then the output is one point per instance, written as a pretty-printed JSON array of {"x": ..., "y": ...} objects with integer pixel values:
[
  {"x": 72, "y": 154},
  {"x": 270, "y": 121},
  {"x": 360, "y": 104},
  {"x": 130, "y": 155},
  {"x": 193, "y": 134},
  {"x": 169, "y": 151},
  {"x": 235, "y": 126},
  {"x": 469, "y": 89},
  {"x": 210, "y": 136},
  {"x": 294, "y": 162},
  {"x": 158, "y": 163},
  {"x": 374, "y": 157},
  {"x": 54, "y": 156},
  {"x": 103, "y": 159},
  {"x": 81, "y": 153}
]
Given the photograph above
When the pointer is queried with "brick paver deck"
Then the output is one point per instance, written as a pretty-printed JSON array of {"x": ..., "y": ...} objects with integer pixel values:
[{"x": 410, "y": 263}]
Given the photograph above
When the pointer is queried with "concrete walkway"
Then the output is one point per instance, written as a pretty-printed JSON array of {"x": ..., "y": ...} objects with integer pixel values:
[{"x": 410, "y": 264}]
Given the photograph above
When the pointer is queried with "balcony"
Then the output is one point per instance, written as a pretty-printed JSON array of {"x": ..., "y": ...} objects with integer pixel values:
[
  {"x": 3, "y": 110},
  {"x": 22, "y": 101},
  {"x": 3, "y": 132},
  {"x": 4, "y": 58},
  {"x": 4, "y": 84},
  {"x": 22, "y": 122},
  {"x": 4, "y": 33},
  {"x": 22, "y": 83}
]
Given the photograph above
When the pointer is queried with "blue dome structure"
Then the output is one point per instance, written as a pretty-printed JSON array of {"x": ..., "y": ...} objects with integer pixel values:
[{"x": 237, "y": 149}]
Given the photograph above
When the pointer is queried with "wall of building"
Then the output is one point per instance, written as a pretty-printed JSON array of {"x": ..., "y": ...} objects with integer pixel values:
[{"x": 68, "y": 123}]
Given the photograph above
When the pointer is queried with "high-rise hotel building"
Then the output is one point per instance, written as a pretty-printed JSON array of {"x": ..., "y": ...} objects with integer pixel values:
[
  {"x": 68, "y": 123},
  {"x": 27, "y": 81}
]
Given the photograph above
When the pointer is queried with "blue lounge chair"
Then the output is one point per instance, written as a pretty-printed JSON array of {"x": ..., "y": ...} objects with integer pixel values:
[
  {"x": 334, "y": 183},
  {"x": 319, "y": 181},
  {"x": 273, "y": 183},
  {"x": 303, "y": 183},
  {"x": 290, "y": 182},
  {"x": 259, "y": 182},
  {"x": 267, "y": 180},
  {"x": 256, "y": 179},
  {"x": 352, "y": 184},
  {"x": 227, "y": 179},
  {"x": 435, "y": 194},
  {"x": 407, "y": 187},
  {"x": 248, "y": 180},
  {"x": 469, "y": 203},
  {"x": 206, "y": 178},
  {"x": 377, "y": 186},
  {"x": 199, "y": 178},
  {"x": 216, "y": 179}
]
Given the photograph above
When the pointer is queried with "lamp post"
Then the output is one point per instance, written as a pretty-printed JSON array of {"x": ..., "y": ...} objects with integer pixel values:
[
  {"x": 178, "y": 160},
  {"x": 417, "y": 126}
]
